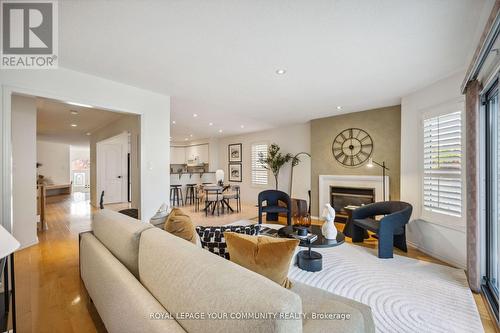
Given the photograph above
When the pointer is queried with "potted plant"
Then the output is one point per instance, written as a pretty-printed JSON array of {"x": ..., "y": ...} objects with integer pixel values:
[{"x": 274, "y": 160}]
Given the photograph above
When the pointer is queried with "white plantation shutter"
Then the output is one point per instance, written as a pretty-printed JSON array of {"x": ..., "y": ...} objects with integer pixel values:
[
  {"x": 259, "y": 173},
  {"x": 443, "y": 164}
]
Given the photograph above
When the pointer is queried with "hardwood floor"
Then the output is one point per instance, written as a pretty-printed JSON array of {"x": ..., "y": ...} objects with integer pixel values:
[{"x": 50, "y": 294}]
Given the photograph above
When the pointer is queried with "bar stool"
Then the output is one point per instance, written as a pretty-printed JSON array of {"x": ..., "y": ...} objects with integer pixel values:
[
  {"x": 176, "y": 195},
  {"x": 190, "y": 196}
]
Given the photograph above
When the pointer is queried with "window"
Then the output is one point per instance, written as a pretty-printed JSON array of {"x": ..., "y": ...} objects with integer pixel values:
[
  {"x": 259, "y": 173},
  {"x": 442, "y": 187}
]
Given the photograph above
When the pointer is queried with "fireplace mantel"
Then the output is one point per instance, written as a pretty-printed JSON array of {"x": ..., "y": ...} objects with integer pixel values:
[{"x": 325, "y": 181}]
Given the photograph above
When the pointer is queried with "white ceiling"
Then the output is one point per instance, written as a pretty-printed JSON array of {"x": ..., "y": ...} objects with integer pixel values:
[
  {"x": 218, "y": 58},
  {"x": 54, "y": 121}
]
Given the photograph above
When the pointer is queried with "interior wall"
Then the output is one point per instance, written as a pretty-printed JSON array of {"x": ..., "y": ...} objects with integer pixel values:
[
  {"x": 24, "y": 205},
  {"x": 131, "y": 124},
  {"x": 55, "y": 161},
  {"x": 69, "y": 85},
  {"x": 438, "y": 240},
  {"x": 293, "y": 139},
  {"x": 383, "y": 125}
]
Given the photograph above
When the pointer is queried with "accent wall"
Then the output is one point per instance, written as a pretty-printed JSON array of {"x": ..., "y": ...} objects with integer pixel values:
[{"x": 384, "y": 127}]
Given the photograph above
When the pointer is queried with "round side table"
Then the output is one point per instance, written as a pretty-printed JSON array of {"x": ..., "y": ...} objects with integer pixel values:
[{"x": 309, "y": 260}]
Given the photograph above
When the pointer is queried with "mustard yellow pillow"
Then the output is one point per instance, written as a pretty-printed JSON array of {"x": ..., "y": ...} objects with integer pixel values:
[
  {"x": 267, "y": 256},
  {"x": 180, "y": 225}
]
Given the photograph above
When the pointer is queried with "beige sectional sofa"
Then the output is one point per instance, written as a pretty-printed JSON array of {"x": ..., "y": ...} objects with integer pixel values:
[{"x": 142, "y": 279}]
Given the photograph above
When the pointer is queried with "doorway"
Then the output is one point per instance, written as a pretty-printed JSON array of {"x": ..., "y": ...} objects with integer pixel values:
[{"x": 54, "y": 147}]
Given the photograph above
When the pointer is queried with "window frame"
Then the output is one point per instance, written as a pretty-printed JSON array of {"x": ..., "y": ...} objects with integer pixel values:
[
  {"x": 449, "y": 221},
  {"x": 486, "y": 286},
  {"x": 255, "y": 185}
]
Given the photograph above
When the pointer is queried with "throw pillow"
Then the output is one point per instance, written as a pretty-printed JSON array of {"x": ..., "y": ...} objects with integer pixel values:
[
  {"x": 158, "y": 220},
  {"x": 180, "y": 225},
  {"x": 267, "y": 256},
  {"x": 212, "y": 238}
]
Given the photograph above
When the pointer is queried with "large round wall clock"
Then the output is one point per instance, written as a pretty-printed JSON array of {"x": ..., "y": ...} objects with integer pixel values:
[{"x": 352, "y": 147}]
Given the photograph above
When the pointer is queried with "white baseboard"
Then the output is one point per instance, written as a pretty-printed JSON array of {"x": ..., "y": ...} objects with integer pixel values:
[
  {"x": 24, "y": 246},
  {"x": 445, "y": 259}
]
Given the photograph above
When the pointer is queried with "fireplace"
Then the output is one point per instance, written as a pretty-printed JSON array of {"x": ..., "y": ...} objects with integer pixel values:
[{"x": 341, "y": 196}]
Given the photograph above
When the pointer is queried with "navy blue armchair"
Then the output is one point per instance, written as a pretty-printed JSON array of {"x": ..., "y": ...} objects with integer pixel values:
[
  {"x": 272, "y": 208},
  {"x": 391, "y": 229}
]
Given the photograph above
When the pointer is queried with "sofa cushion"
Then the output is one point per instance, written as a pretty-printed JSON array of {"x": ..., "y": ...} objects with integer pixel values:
[
  {"x": 120, "y": 235},
  {"x": 212, "y": 238},
  {"x": 187, "y": 279},
  {"x": 268, "y": 256},
  {"x": 318, "y": 301},
  {"x": 124, "y": 305}
]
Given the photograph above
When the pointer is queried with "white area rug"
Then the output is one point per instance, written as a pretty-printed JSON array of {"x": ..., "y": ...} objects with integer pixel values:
[{"x": 405, "y": 295}]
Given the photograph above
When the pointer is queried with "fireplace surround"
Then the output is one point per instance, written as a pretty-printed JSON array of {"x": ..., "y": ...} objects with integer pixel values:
[{"x": 354, "y": 181}]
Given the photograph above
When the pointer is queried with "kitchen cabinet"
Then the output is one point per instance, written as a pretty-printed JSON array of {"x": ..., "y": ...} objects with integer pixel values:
[
  {"x": 181, "y": 155},
  {"x": 177, "y": 155},
  {"x": 200, "y": 151}
]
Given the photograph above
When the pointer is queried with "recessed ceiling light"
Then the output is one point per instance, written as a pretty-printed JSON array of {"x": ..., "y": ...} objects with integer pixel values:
[
  {"x": 74, "y": 125},
  {"x": 88, "y": 134},
  {"x": 185, "y": 139},
  {"x": 210, "y": 124},
  {"x": 80, "y": 104},
  {"x": 242, "y": 126},
  {"x": 74, "y": 112},
  {"x": 280, "y": 71},
  {"x": 195, "y": 115},
  {"x": 339, "y": 107},
  {"x": 191, "y": 135},
  {"x": 173, "y": 122},
  {"x": 220, "y": 131}
]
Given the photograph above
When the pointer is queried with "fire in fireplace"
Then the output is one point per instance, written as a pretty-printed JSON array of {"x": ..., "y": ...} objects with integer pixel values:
[{"x": 341, "y": 197}]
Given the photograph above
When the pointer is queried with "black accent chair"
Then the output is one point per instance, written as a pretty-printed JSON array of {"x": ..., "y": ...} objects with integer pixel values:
[
  {"x": 391, "y": 229},
  {"x": 272, "y": 208}
]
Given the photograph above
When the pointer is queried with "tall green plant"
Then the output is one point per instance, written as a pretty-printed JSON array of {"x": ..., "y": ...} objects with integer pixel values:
[{"x": 274, "y": 160}]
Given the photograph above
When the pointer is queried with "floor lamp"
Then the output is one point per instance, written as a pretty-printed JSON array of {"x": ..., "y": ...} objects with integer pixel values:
[{"x": 371, "y": 163}]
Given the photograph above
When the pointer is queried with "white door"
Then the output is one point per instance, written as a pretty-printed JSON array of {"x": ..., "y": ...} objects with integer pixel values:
[{"x": 111, "y": 171}]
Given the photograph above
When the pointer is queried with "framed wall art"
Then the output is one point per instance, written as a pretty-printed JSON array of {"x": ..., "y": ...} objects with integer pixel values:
[
  {"x": 235, "y": 172},
  {"x": 234, "y": 152}
]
